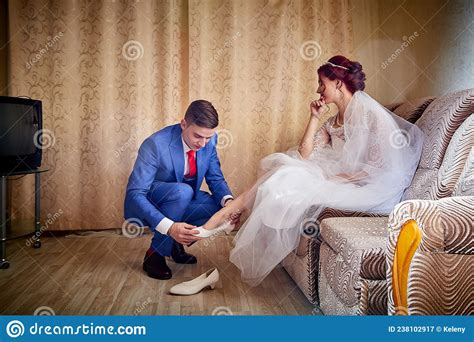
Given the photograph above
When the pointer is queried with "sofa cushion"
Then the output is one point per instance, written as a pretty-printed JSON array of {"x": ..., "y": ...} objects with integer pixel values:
[
  {"x": 311, "y": 223},
  {"x": 411, "y": 110},
  {"x": 436, "y": 184},
  {"x": 455, "y": 158},
  {"x": 439, "y": 122},
  {"x": 356, "y": 238},
  {"x": 465, "y": 184},
  {"x": 421, "y": 184},
  {"x": 392, "y": 106}
]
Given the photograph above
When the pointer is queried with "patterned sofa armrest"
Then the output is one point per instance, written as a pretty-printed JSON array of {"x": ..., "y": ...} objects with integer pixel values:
[{"x": 430, "y": 257}]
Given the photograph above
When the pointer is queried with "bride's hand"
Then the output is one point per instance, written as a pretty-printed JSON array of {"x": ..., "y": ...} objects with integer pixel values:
[{"x": 317, "y": 107}]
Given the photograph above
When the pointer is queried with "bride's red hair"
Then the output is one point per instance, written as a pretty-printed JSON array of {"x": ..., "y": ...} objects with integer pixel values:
[{"x": 353, "y": 76}]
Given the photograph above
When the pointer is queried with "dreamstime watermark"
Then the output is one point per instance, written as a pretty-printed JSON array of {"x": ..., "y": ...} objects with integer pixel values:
[
  {"x": 49, "y": 44},
  {"x": 407, "y": 41},
  {"x": 220, "y": 52},
  {"x": 132, "y": 50},
  {"x": 132, "y": 228},
  {"x": 44, "y": 311},
  {"x": 51, "y": 219},
  {"x": 224, "y": 138},
  {"x": 142, "y": 306},
  {"x": 310, "y": 50},
  {"x": 125, "y": 146},
  {"x": 310, "y": 228},
  {"x": 44, "y": 138},
  {"x": 16, "y": 329},
  {"x": 211, "y": 238},
  {"x": 399, "y": 139},
  {"x": 222, "y": 311}
]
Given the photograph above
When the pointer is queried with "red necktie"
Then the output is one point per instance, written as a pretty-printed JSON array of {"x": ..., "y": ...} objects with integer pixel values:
[{"x": 191, "y": 163}]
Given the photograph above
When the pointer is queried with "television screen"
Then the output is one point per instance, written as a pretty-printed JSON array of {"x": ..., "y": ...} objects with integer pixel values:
[{"x": 20, "y": 125}]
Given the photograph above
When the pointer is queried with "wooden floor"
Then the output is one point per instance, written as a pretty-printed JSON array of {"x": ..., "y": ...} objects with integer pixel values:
[{"x": 103, "y": 276}]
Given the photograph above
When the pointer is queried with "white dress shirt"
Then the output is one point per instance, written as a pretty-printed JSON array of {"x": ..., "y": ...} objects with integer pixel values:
[{"x": 165, "y": 224}]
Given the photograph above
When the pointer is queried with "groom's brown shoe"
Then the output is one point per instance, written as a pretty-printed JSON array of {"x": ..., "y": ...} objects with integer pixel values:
[{"x": 155, "y": 266}]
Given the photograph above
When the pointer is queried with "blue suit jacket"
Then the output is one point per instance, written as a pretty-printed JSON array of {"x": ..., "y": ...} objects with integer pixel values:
[{"x": 161, "y": 158}]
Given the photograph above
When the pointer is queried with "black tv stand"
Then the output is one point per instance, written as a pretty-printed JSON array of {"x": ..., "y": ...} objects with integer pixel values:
[{"x": 4, "y": 222}]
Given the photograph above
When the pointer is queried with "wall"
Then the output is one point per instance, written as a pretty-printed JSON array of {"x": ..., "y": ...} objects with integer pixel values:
[{"x": 435, "y": 43}]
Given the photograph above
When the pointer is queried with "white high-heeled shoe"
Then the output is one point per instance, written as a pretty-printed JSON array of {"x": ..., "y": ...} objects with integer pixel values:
[
  {"x": 225, "y": 227},
  {"x": 208, "y": 279}
]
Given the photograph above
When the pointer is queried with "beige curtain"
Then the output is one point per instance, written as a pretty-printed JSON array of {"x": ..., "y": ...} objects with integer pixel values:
[{"x": 110, "y": 73}]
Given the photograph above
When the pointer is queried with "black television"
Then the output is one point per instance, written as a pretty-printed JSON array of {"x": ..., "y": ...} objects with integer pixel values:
[{"x": 21, "y": 121}]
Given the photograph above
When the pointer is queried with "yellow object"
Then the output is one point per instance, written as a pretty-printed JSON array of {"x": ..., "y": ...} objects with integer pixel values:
[{"x": 408, "y": 241}]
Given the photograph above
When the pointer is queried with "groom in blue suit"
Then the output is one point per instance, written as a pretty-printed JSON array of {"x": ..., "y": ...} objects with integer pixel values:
[{"x": 163, "y": 189}]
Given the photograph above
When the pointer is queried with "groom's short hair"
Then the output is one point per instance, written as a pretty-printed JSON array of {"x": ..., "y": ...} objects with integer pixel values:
[{"x": 202, "y": 113}]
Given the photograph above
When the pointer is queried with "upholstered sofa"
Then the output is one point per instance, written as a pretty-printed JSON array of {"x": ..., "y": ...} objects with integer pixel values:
[{"x": 344, "y": 266}]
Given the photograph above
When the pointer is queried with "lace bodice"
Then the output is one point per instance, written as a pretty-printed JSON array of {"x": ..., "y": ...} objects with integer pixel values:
[{"x": 329, "y": 136}]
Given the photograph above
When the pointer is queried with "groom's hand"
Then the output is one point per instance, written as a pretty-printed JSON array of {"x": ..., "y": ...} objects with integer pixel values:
[{"x": 183, "y": 233}]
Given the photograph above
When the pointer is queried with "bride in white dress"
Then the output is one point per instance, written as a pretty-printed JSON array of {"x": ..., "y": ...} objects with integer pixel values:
[{"x": 361, "y": 159}]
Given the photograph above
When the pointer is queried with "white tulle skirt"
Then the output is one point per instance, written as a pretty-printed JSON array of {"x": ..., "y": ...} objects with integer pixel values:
[{"x": 288, "y": 187}]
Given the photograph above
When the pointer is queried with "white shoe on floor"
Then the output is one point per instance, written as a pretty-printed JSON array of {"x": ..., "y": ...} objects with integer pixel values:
[
  {"x": 208, "y": 279},
  {"x": 226, "y": 227}
]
